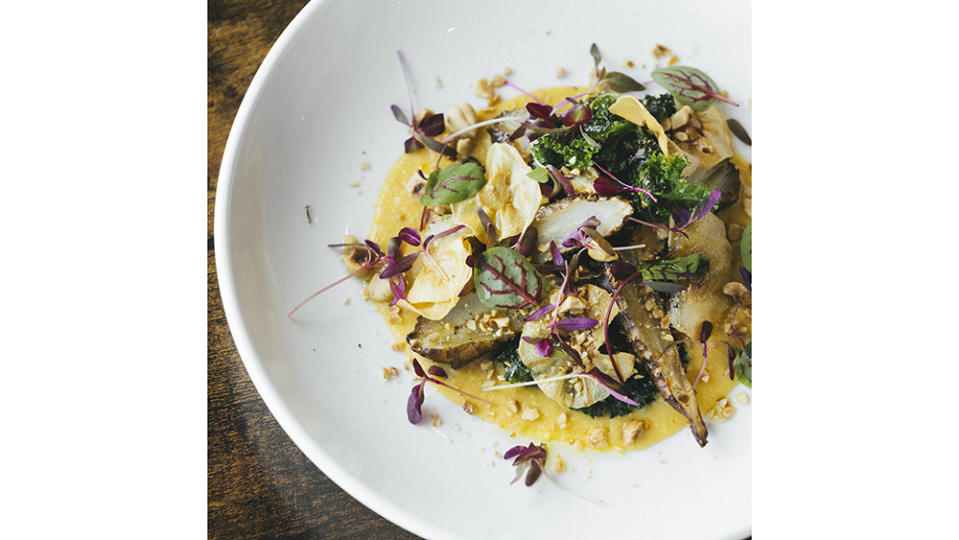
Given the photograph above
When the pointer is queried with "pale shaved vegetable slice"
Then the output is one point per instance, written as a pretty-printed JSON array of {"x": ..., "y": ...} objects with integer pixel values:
[
  {"x": 556, "y": 221},
  {"x": 438, "y": 279},
  {"x": 632, "y": 110},
  {"x": 455, "y": 340},
  {"x": 704, "y": 300},
  {"x": 510, "y": 197},
  {"x": 713, "y": 146}
]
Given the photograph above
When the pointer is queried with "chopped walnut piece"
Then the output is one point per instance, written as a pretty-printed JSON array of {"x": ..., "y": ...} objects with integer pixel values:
[
  {"x": 722, "y": 411},
  {"x": 557, "y": 465},
  {"x": 463, "y": 148},
  {"x": 597, "y": 437},
  {"x": 415, "y": 185},
  {"x": 632, "y": 430},
  {"x": 437, "y": 421},
  {"x": 459, "y": 117},
  {"x": 468, "y": 407},
  {"x": 507, "y": 71},
  {"x": 483, "y": 89},
  {"x": 354, "y": 257},
  {"x": 560, "y": 73},
  {"x": 660, "y": 51},
  {"x": 364, "y": 166},
  {"x": 529, "y": 414},
  {"x": 498, "y": 81},
  {"x": 513, "y": 406},
  {"x": 738, "y": 291}
]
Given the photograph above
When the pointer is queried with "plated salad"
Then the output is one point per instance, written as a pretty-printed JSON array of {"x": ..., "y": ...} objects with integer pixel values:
[{"x": 572, "y": 264}]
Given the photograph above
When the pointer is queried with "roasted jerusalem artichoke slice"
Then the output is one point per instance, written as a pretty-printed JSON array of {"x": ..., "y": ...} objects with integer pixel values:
[
  {"x": 465, "y": 333},
  {"x": 654, "y": 347},
  {"x": 555, "y": 222}
]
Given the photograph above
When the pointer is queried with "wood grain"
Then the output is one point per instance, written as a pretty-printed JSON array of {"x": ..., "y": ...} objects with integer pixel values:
[{"x": 259, "y": 484}]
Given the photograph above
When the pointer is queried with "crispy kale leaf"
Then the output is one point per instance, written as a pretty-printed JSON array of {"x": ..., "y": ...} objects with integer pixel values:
[
  {"x": 663, "y": 176},
  {"x": 553, "y": 149},
  {"x": 641, "y": 390},
  {"x": 516, "y": 370}
]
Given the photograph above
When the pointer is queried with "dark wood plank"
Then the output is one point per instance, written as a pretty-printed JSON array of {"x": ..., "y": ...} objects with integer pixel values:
[{"x": 259, "y": 484}]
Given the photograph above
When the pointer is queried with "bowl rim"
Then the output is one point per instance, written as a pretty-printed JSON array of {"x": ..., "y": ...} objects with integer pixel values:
[{"x": 225, "y": 278}]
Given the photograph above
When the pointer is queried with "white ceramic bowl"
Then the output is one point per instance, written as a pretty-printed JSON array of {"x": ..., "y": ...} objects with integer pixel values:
[{"x": 317, "y": 108}]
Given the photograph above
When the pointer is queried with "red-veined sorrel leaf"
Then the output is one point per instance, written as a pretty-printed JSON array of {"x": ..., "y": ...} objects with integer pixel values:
[
  {"x": 678, "y": 269},
  {"x": 414, "y": 405},
  {"x": 504, "y": 279},
  {"x": 453, "y": 183},
  {"x": 689, "y": 86}
]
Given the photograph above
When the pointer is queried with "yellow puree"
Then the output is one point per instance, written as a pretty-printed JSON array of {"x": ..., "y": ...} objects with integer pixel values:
[{"x": 397, "y": 208}]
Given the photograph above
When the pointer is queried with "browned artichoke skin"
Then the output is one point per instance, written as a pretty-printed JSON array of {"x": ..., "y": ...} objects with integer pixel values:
[
  {"x": 645, "y": 334},
  {"x": 456, "y": 355}
]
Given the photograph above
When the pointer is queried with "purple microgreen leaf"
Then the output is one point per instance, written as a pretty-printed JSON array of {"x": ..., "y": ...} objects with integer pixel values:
[
  {"x": 563, "y": 181},
  {"x": 704, "y": 207},
  {"x": 577, "y": 115},
  {"x": 705, "y": 330},
  {"x": 424, "y": 216},
  {"x": 625, "y": 185},
  {"x": 544, "y": 348},
  {"x": 437, "y": 371},
  {"x": 488, "y": 227},
  {"x": 504, "y": 279},
  {"x": 570, "y": 351},
  {"x": 519, "y": 132},
  {"x": 747, "y": 277},
  {"x": 408, "y": 80},
  {"x": 443, "y": 234},
  {"x": 621, "y": 270},
  {"x": 433, "y": 125},
  {"x": 539, "y": 110},
  {"x": 398, "y": 288},
  {"x": 538, "y": 314},
  {"x": 601, "y": 379},
  {"x": 418, "y": 368},
  {"x": 435, "y": 145},
  {"x": 689, "y": 86},
  {"x": 605, "y": 187},
  {"x": 533, "y": 474},
  {"x": 400, "y": 116},
  {"x": 411, "y": 145},
  {"x": 681, "y": 218},
  {"x": 453, "y": 183},
  {"x": 527, "y": 242},
  {"x": 594, "y": 52},
  {"x": 414, "y": 405},
  {"x": 557, "y": 256},
  {"x": 513, "y": 452},
  {"x": 375, "y": 247},
  {"x": 665, "y": 286},
  {"x": 621, "y": 82},
  {"x": 573, "y": 324},
  {"x": 393, "y": 247},
  {"x": 409, "y": 236},
  {"x": 401, "y": 265}
]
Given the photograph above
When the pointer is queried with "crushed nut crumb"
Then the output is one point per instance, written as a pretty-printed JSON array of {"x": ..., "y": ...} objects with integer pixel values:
[
  {"x": 507, "y": 71},
  {"x": 632, "y": 430},
  {"x": 743, "y": 398},
  {"x": 597, "y": 437},
  {"x": 673, "y": 60},
  {"x": 468, "y": 407},
  {"x": 437, "y": 421},
  {"x": 660, "y": 51},
  {"x": 529, "y": 414},
  {"x": 498, "y": 81},
  {"x": 558, "y": 465},
  {"x": 398, "y": 346},
  {"x": 561, "y": 419},
  {"x": 437, "y": 83},
  {"x": 630, "y": 63},
  {"x": 355, "y": 185},
  {"x": 722, "y": 411},
  {"x": 346, "y": 301},
  {"x": 513, "y": 406},
  {"x": 390, "y": 372},
  {"x": 560, "y": 73},
  {"x": 364, "y": 166}
]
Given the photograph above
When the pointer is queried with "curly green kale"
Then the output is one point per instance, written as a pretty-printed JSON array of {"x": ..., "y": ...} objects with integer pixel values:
[
  {"x": 663, "y": 176},
  {"x": 641, "y": 390},
  {"x": 553, "y": 150},
  {"x": 661, "y": 107},
  {"x": 516, "y": 370}
]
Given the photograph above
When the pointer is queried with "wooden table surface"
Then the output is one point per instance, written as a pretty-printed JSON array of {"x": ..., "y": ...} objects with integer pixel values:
[{"x": 259, "y": 483}]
